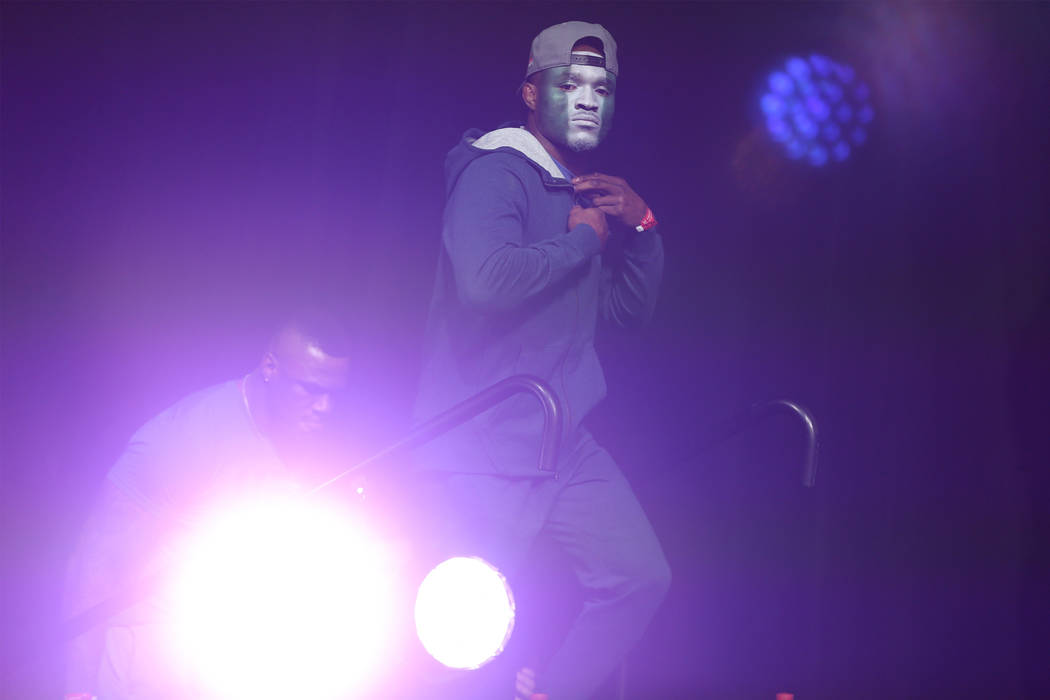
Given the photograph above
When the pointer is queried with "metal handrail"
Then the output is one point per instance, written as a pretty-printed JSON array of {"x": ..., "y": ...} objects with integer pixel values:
[
  {"x": 477, "y": 404},
  {"x": 758, "y": 411}
]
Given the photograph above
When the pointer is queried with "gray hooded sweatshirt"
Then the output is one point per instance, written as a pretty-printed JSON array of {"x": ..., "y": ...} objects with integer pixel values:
[{"x": 517, "y": 292}]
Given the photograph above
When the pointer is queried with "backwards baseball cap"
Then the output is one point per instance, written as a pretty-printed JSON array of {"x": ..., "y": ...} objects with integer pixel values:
[{"x": 553, "y": 47}]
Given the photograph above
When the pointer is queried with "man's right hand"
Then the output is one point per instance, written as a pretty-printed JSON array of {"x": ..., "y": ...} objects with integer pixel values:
[{"x": 593, "y": 217}]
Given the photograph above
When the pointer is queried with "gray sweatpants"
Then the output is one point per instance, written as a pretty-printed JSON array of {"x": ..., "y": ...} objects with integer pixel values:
[{"x": 592, "y": 515}]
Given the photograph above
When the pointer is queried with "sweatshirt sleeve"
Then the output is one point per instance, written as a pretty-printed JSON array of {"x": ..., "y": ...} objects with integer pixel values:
[
  {"x": 631, "y": 278},
  {"x": 495, "y": 270}
]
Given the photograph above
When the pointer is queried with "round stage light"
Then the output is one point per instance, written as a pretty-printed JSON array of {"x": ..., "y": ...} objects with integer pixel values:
[
  {"x": 282, "y": 597},
  {"x": 817, "y": 109},
  {"x": 464, "y": 612}
]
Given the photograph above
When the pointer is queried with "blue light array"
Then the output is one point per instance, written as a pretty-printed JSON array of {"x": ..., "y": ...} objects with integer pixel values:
[{"x": 817, "y": 109}]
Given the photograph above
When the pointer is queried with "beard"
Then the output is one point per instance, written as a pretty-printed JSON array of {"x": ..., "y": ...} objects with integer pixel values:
[{"x": 582, "y": 141}]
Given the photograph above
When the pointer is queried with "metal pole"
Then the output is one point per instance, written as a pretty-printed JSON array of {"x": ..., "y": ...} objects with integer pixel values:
[{"x": 550, "y": 440}]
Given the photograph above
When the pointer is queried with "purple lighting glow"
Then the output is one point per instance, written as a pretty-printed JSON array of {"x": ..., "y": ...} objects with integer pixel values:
[{"x": 816, "y": 109}]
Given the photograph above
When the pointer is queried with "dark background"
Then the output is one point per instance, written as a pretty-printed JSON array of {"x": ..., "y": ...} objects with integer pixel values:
[{"x": 177, "y": 174}]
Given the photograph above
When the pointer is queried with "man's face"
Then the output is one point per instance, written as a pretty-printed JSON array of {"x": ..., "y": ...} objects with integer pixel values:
[
  {"x": 574, "y": 105},
  {"x": 302, "y": 390}
]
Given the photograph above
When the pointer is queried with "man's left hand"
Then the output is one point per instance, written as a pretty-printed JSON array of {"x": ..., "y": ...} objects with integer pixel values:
[{"x": 613, "y": 196}]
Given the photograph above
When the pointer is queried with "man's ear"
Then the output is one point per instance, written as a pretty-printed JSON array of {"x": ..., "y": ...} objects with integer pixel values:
[
  {"x": 528, "y": 95},
  {"x": 268, "y": 366}
]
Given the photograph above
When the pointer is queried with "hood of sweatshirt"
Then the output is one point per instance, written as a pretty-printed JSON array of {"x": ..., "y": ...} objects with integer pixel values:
[{"x": 511, "y": 139}]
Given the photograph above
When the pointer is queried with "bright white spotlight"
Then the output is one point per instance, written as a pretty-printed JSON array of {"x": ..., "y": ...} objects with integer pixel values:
[
  {"x": 464, "y": 612},
  {"x": 282, "y": 597}
]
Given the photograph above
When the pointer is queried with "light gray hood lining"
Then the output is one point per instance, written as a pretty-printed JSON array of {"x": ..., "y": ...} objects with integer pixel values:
[{"x": 521, "y": 140}]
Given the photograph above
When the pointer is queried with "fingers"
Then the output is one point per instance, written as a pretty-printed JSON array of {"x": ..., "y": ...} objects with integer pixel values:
[
  {"x": 599, "y": 177},
  {"x": 591, "y": 185},
  {"x": 610, "y": 205},
  {"x": 612, "y": 196},
  {"x": 607, "y": 200}
]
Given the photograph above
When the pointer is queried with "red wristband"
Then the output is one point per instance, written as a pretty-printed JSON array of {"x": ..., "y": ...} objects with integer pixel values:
[{"x": 648, "y": 221}]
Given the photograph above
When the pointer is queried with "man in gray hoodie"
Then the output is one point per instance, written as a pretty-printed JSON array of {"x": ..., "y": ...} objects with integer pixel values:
[{"x": 535, "y": 249}]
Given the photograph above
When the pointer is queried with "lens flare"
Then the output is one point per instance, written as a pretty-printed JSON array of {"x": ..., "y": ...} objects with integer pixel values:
[
  {"x": 281, "y": 597},
  {"x": 464, "y": 612}
]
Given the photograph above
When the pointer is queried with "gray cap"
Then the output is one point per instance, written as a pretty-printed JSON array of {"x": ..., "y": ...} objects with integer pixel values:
[{"x": 553, "y": 47}]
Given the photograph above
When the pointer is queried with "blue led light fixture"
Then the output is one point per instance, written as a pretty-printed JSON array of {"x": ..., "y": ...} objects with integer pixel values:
[{"x": 817, "y": 109}]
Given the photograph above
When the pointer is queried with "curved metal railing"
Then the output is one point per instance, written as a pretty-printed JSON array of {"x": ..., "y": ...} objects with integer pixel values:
[
  {"x": 761, "y": 410},
  {"x": 423, "y": 433}
]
